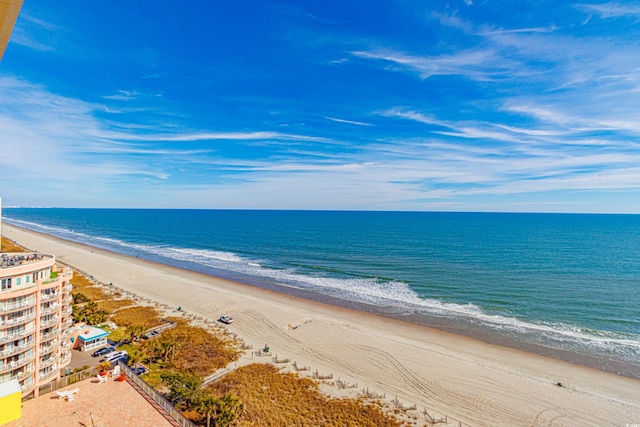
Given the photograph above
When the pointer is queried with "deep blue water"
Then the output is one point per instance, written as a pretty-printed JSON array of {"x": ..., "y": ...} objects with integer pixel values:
[{"x": 562, "y": 281}]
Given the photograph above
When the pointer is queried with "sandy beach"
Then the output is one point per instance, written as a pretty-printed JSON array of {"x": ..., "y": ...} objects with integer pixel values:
[{"x": 475, "y": 383}]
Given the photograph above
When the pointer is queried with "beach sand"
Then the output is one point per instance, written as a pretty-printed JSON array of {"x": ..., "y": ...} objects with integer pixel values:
[{"x": 472, "y": 382}]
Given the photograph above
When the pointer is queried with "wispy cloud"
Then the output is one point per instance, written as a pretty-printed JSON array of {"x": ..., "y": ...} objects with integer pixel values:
[
  {"x": 350, "y": 122},
  {"x": 612, "y": 10},
  {"x": 476, "y": 64}
]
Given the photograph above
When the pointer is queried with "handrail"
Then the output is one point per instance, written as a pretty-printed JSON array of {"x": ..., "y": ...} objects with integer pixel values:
[{"x": 12, "y": 307}]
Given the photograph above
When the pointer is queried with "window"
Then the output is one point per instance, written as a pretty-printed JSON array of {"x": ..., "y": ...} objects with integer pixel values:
[
  {"x": 6, "y": 284},
  {"x": 26, "y": 279},
  {"x": 18, "y": 281}
]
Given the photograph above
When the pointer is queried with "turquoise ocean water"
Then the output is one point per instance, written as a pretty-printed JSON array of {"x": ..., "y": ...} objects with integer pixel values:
[{"x": 558, "y": 284}]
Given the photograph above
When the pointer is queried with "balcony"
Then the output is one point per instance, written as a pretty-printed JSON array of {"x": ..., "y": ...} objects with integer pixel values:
[
  {"x": 48, "y": 335},
  {"x": 48, "y": 362},
  {"x": 67, "y": 287},
  {"x": 27, "y": 384},
  {"x": 10, "y": 366},
  {"x": 6, "y": 308},
  {"x": 16, "y": 335},
  {"x": 51, "y": 373},
  {"x": 50, "y": 309},
  {"x": 15, "y": 349},
  {"x": 66, "y": 358},
  {"x": 22, "y": 375},
  {"x": 52, "y": 346},
  {"x": 67, "y": 324},
  {"x": 20, "y": 320},
  {"x": 49, "y": 296},
  {"x": 49, "y": 322}
]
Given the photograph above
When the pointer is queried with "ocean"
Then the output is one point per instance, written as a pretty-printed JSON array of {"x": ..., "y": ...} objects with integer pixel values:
[{"x": 563, "y": 285}]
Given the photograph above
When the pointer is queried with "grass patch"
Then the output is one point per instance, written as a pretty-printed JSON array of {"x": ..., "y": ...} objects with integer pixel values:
[
  {"x": 275, "y": 398},
  {"x": 112, "y": 305},
  {"x": 94, "y": 293},
  {"x": 10, "y": 246},
  {"x": 199, "y": 351},
  {"x": 79, "y": 281},
  {"x": 139, "y": 315},
  {"x": 118, "y": 334}
]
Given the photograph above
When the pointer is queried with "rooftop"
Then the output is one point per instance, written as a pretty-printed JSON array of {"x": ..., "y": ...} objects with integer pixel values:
[
  {"x": 101, "y": 405},
  {"x": 91, "y": 333}
]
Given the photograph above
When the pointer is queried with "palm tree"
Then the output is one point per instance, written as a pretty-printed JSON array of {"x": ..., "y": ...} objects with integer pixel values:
[
  {"x": 134, "y": 356},
  {"x": 135, "y": 332},
  {"x": 169, "y": 349},
  {"x": 208, "y": 406},
  {"x": 230, "y": 409},
  {"x": 152, "y": 349}
]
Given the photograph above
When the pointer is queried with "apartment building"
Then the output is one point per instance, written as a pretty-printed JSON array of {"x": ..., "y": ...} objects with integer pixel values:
[{"x": 35, "y": 319}]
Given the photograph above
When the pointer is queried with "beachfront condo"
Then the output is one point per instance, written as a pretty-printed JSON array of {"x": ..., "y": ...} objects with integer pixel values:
[{"x": 35, "y": 319}]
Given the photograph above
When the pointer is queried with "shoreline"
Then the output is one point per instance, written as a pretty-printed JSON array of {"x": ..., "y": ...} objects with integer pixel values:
[{"x": 470, "y": 380}]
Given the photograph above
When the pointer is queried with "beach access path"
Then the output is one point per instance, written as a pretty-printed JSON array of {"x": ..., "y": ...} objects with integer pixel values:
[{"x": 473, "y": 382}]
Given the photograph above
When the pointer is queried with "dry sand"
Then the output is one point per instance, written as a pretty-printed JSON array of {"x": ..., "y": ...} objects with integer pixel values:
[{"x": 472, "y": 382}]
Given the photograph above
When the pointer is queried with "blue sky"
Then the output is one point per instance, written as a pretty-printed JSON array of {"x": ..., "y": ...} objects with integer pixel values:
[{"x": 397, "y": 105}]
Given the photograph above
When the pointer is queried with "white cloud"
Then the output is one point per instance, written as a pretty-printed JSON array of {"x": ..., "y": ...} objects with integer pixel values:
[{"x": 612, "y": 10}]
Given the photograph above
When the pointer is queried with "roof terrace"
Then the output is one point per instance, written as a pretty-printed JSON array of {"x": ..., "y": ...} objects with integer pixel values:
[{"x": 112, "y": 403}]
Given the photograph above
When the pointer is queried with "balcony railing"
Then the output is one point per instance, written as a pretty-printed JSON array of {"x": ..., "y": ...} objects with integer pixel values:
[
  {"x": 15, "y": 349},
  {"x": 49, "y": 296},
  {"x": 53, "y": 345},
  {"x": 51, "y": 309},
  {"x": 16, "y": 363},
  {"x": 20, "y": 320},
  {"x": 49, "y": 322},
  {"x": 27, "y": 384},
  {"x": 49, "y": 335},
  {"x": 16, "y": 335},
  {"x": 66, "y": 357},
  {"x": 68, "y": 287},
  {"x": 54, "y": 371},
  {"x": 22, "y": 375},
  {"x": 5, "y": 308},
  {"x": 50, "y": 361},
  {"x": 67, "y": 323}
]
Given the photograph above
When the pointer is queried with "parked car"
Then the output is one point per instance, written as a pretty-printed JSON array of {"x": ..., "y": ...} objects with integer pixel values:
[
  {"x": 226, "y": 319},
  {"x": 116, "y": 355},
  {"x": 102, "y": 351},
  {"x": 140, "y": 370}
]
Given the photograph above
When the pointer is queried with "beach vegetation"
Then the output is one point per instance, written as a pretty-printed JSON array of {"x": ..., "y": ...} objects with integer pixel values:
[
  {"x": 199, "y": 404},
  {"x": 271, "y": 397},
  {"x": 198, "y": 350},
  {"x": 93, "y": 293},
  {"x": 79, "y": 280},
  {"x": 89, "y": 313},
  {"x": 79, "y": 298},
  {"x": 135, "y": 332},
  {"x": 104, "y": 366},
  {"x": 144, "y": 316},
  {"x": 113, "y": 305},
  {"x": 8, "y": 245}
]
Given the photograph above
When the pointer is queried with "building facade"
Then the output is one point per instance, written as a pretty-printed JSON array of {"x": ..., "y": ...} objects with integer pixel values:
[{"x": 35, "y": 319}]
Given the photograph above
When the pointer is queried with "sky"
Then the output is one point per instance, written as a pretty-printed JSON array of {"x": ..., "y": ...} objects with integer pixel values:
[{"x": 504, "y": 106}]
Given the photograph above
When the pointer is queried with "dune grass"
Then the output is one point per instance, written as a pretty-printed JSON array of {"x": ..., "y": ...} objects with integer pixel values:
[
  {"x": 274, "y": 398},
  {"x": 138, "y": 315},
  {"x": 7, "y": 245}
]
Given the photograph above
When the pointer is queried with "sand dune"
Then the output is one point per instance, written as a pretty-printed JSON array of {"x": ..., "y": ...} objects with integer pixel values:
[{"x": 470, "y": 381}]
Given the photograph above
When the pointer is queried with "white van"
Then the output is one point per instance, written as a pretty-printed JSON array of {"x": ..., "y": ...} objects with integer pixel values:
[{"x": 115, "y": 355}]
